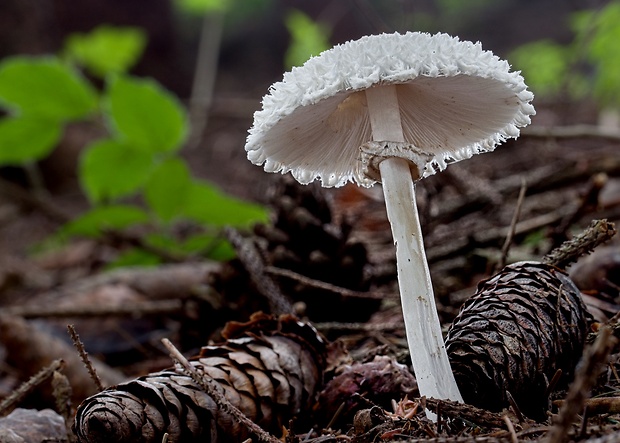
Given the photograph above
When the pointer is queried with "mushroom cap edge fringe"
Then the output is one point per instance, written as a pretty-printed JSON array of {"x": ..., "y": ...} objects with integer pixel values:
[{"x": 456, "y": 100}]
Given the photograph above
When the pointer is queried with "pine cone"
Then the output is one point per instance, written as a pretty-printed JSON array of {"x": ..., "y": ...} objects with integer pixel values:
[
  {"x": 521, "y": 326},
  {"x": 271, "y": 372},
  {"x": 305, "y": 239}
]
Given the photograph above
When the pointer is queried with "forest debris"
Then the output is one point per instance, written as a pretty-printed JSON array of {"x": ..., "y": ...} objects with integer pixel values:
[
  {"x": 318, "y": 284},
  {"x": 568, "y": 252},
  {"x": 18, "y": 394},
  {"x": 522, "y": 325},
  {"x": 588, "y": 202},
  {"x": 29, "y": 349},
  {"x": 310, "y": 258},
  {"x": 472, "y": 414},
  {"x": 513, "y": 227},
  {"x": 268, "y": 368},
  {"x": 597, "y": 406},
  {"x": 32, "y": 426},
  {"x": 253, "y": 262},
  {"x": 585, "y": 378},
  {"x": 62, "y": 393},
  {"x": 211, "y": 389},
  {"x": 136, "y": 309},
  {"x": 599, "y": 272},
  {"x": 572, "y": 131},
  {"x": 88, "y": 364},
  {"x": 377, "y": 382},
  {"x": 163, "y": 282}
]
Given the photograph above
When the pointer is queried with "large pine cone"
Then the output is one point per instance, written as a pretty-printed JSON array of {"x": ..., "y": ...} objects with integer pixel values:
[
  {"x": 271, "y": 373},
  {"x": 521, "y": 326}
]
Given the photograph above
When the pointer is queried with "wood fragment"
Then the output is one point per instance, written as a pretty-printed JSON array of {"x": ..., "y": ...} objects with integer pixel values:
[
  {"x": 30, "y": 348},
  {"x": 84, "y": 357},
  {"x": 62, "y": 398},
  {"x": 311, "y": 282},
  {"x": 513, "y": 227},
  {"x": 138, "y": 309},
  {"x": 511, "y": 429},
  {"x": 9, "y": 403},
  {"x": 568, "y": 252},
  {"x": 478, "y": 416},
  {"x": 253, "y": 263},
  {"x": 585, "y": 378},
  {"x": 597, "y": 406}
]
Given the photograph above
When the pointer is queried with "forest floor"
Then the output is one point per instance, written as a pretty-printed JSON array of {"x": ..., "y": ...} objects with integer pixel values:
[{"x": 335, "y": 266}]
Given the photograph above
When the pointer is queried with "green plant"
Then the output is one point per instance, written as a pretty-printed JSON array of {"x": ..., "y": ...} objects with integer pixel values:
[
  {"x": 587, "y": 67},
  {"x": 308, "y": 38},
  {"x": 134, "y": 176}
]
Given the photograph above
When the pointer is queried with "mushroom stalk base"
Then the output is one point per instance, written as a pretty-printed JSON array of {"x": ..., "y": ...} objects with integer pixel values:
[{"x": 428, "y": 353}]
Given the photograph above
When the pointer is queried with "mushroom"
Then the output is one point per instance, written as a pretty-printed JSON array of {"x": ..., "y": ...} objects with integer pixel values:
[{"x": 393, "y": 108}]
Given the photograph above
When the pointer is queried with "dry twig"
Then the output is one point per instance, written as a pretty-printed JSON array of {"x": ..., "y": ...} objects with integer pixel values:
[
  {"x": 84, "y": 357},
  {"x": 314, "y": 283},
  {"x": 585, "y": 379},
  {"x": 9, "y": 403},
  {"x": 253, "y": 263},
  {"x": 222, "y": 402},
  {"x": 513, "y": 228},
  {"x": 568, "y": 252}
]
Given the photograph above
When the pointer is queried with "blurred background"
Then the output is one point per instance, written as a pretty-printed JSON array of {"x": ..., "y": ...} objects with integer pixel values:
[
  {"x": 247, "y": 44},
  {"x": 218, "y": 57}
]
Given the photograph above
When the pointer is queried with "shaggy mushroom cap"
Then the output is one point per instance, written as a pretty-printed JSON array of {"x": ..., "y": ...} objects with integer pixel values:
[{"x": 455, "y": 100}]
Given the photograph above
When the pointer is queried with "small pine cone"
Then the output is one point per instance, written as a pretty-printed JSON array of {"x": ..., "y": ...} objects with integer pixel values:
[
  {"x": 521, "y": 326},
  {"x": 305, "y": 238},
  {"x": 271, "y": 371}
]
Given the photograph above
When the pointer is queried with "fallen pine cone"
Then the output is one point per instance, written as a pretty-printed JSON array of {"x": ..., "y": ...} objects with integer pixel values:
[
  {"x": 521, "y": 327},
  {"x": 270, "y": 372}
]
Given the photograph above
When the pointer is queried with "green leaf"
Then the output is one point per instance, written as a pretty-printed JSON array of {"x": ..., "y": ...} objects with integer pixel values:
[
  {"x": 110, "y": 169},
  {"x": 46, "y": 88},
  {"x": 308, "y": 38},
  {"x": 203, "y": 6},
  {"x": 107, "y": 49},
  {"x": 145, "y": 115},
  {"x": 204, "y": 203},
  {"x": 215, "y": 247},
  {"x": 94, "y": 222},
  {"x": 599, "y": 32},
  {"x": 172, "y": 193},
  {"x": 166, "y": 189},
  {"x": 222, "y": 251},
  {"x": 544, "y": 64},
  {"x": 134, "y": 257},
  {"x": 27, "y": 139},
  {"x": 209, "y": 245}
]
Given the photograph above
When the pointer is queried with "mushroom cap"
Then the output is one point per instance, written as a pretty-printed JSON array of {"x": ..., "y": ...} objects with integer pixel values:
[{"x": 455, "y": 100}]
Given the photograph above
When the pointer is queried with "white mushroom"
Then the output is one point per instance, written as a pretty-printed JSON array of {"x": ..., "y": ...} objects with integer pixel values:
[{"x": 393, "y": 108}]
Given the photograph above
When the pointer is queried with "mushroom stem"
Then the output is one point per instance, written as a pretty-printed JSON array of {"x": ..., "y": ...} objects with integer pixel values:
[{"x": 426, "y": 346}]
